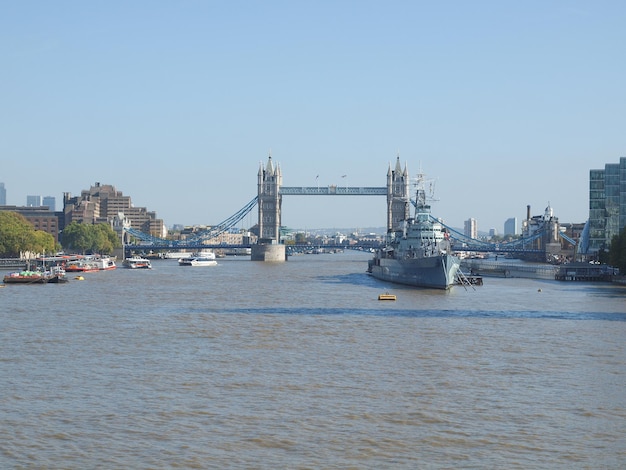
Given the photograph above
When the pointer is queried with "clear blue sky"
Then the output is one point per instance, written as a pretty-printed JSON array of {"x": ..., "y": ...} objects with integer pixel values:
[{"x": 175, "y": 103}]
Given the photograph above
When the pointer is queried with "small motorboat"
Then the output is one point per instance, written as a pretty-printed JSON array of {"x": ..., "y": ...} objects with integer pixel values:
[{"x": 387, "y": 296}]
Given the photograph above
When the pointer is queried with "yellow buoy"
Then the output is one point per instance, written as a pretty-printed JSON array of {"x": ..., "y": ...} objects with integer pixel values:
[{"x": 79, "y": 278}]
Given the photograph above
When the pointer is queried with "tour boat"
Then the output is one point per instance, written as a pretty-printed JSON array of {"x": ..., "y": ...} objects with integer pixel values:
[
  {"x": 203, "y": 261},
  {"x": 81, "y": 266},
  {"x": 176, "y": 254},
  {"x": 136, "y": 262},
  {"x": 104, "y": 263},
  {"x": 204, "y": 258},
  {"x": 90, "y": 263}
]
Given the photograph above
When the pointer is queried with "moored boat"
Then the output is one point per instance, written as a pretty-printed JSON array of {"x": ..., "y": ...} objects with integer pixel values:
[
  {"x": 81, "y": 266},
  {"x": 90, "y": 263},
  {"x": 419, "y": 254},
  {"x": 54, "y": 275},
  {"x": 104, "y": 263},
  {"x": 25, "y": 277},
  {"x": 136, "y": 262}
]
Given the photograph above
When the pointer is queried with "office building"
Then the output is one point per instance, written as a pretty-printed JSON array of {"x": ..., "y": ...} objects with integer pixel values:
[
  {"x": 607, "y": 204},
  {"x": 510, "y": 226},
  {"x": 471, "y": 228},
  {"x": 3, "y": 195},
  {"x": 50, "y": 202},
  {"x": 102, "y": 203},
  {"x": 33, "y": 201}
]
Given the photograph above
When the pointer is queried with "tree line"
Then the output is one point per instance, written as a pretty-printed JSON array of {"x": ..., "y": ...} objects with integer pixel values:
[{"x": 18, "y": 236}]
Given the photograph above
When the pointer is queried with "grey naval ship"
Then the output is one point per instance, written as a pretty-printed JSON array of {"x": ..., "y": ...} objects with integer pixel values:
[{"x": 418, "y": 254}]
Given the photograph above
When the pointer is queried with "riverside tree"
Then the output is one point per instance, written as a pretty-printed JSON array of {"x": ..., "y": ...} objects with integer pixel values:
[
  {"x": 617, "y": 251},
  {"x": 83, "y": 238},
  {"x": 17, "y": 236}
]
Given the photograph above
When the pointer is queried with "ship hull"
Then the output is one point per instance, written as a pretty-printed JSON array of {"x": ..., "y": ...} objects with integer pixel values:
[{"x": 436, "y": 272}]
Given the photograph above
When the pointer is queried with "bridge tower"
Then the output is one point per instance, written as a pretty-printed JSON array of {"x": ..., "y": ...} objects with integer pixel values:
[
  {"x": 398, "y": 198},
  {"x": 269, "y": 204},
  {"x": 270, "y": 201}
]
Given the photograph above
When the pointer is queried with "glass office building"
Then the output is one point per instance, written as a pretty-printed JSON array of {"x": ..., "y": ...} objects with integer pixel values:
[{"x": 607, "y": 204}]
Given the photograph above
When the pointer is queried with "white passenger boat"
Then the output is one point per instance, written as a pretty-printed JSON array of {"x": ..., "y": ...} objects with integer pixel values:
[
  {"x": 203, "y": 258},
  {"x": 136, "y": 262},
  {"x": 104, "y": 263},
  {"x": 203, "y": 261},
  {"x": 176, "y": 255}
]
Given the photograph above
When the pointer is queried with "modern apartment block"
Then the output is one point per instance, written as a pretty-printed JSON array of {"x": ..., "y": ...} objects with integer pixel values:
[
  {"x": 102, "y": 203},
  {"x": 607, "y": 204},
  {"x": 471, "y": 228},
  {"x": 33, "y": 201},
  {"x": 510, "y": 226},
  {"x": 50, "y": 202}
]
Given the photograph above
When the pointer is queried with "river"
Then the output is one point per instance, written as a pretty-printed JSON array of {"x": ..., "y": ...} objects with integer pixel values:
[{"x": 298, "y": 365}]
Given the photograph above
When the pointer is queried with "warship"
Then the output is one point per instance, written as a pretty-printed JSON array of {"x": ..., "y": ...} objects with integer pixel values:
[{"x": 419, "y": 252}]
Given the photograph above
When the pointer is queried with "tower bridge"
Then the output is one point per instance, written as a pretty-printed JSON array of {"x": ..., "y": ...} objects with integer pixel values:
[{"x": 268, "y": 201}]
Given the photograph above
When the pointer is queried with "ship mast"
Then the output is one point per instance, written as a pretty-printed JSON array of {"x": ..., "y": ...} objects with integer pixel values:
[{"x": 421, "y": 196}]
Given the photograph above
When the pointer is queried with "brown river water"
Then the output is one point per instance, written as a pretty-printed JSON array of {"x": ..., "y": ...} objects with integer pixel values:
[{"x": 298, "y": 365}]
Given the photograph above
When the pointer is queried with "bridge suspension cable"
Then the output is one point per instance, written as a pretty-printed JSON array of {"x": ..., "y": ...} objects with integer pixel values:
[
  {"x": 204, "y": 235},
  {"x": 225, "y": 225},
  {"x": 471, "y": 244},
  {"x": 566, "y": 238}
]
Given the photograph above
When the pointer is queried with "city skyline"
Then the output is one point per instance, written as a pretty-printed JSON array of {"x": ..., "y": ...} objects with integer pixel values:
[
  {"x": 50, "y": 201},
  {"x": 175, "y": 104}
]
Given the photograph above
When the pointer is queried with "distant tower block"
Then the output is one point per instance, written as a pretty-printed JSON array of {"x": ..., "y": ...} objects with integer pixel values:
[{"x": 398, "y": 200}]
